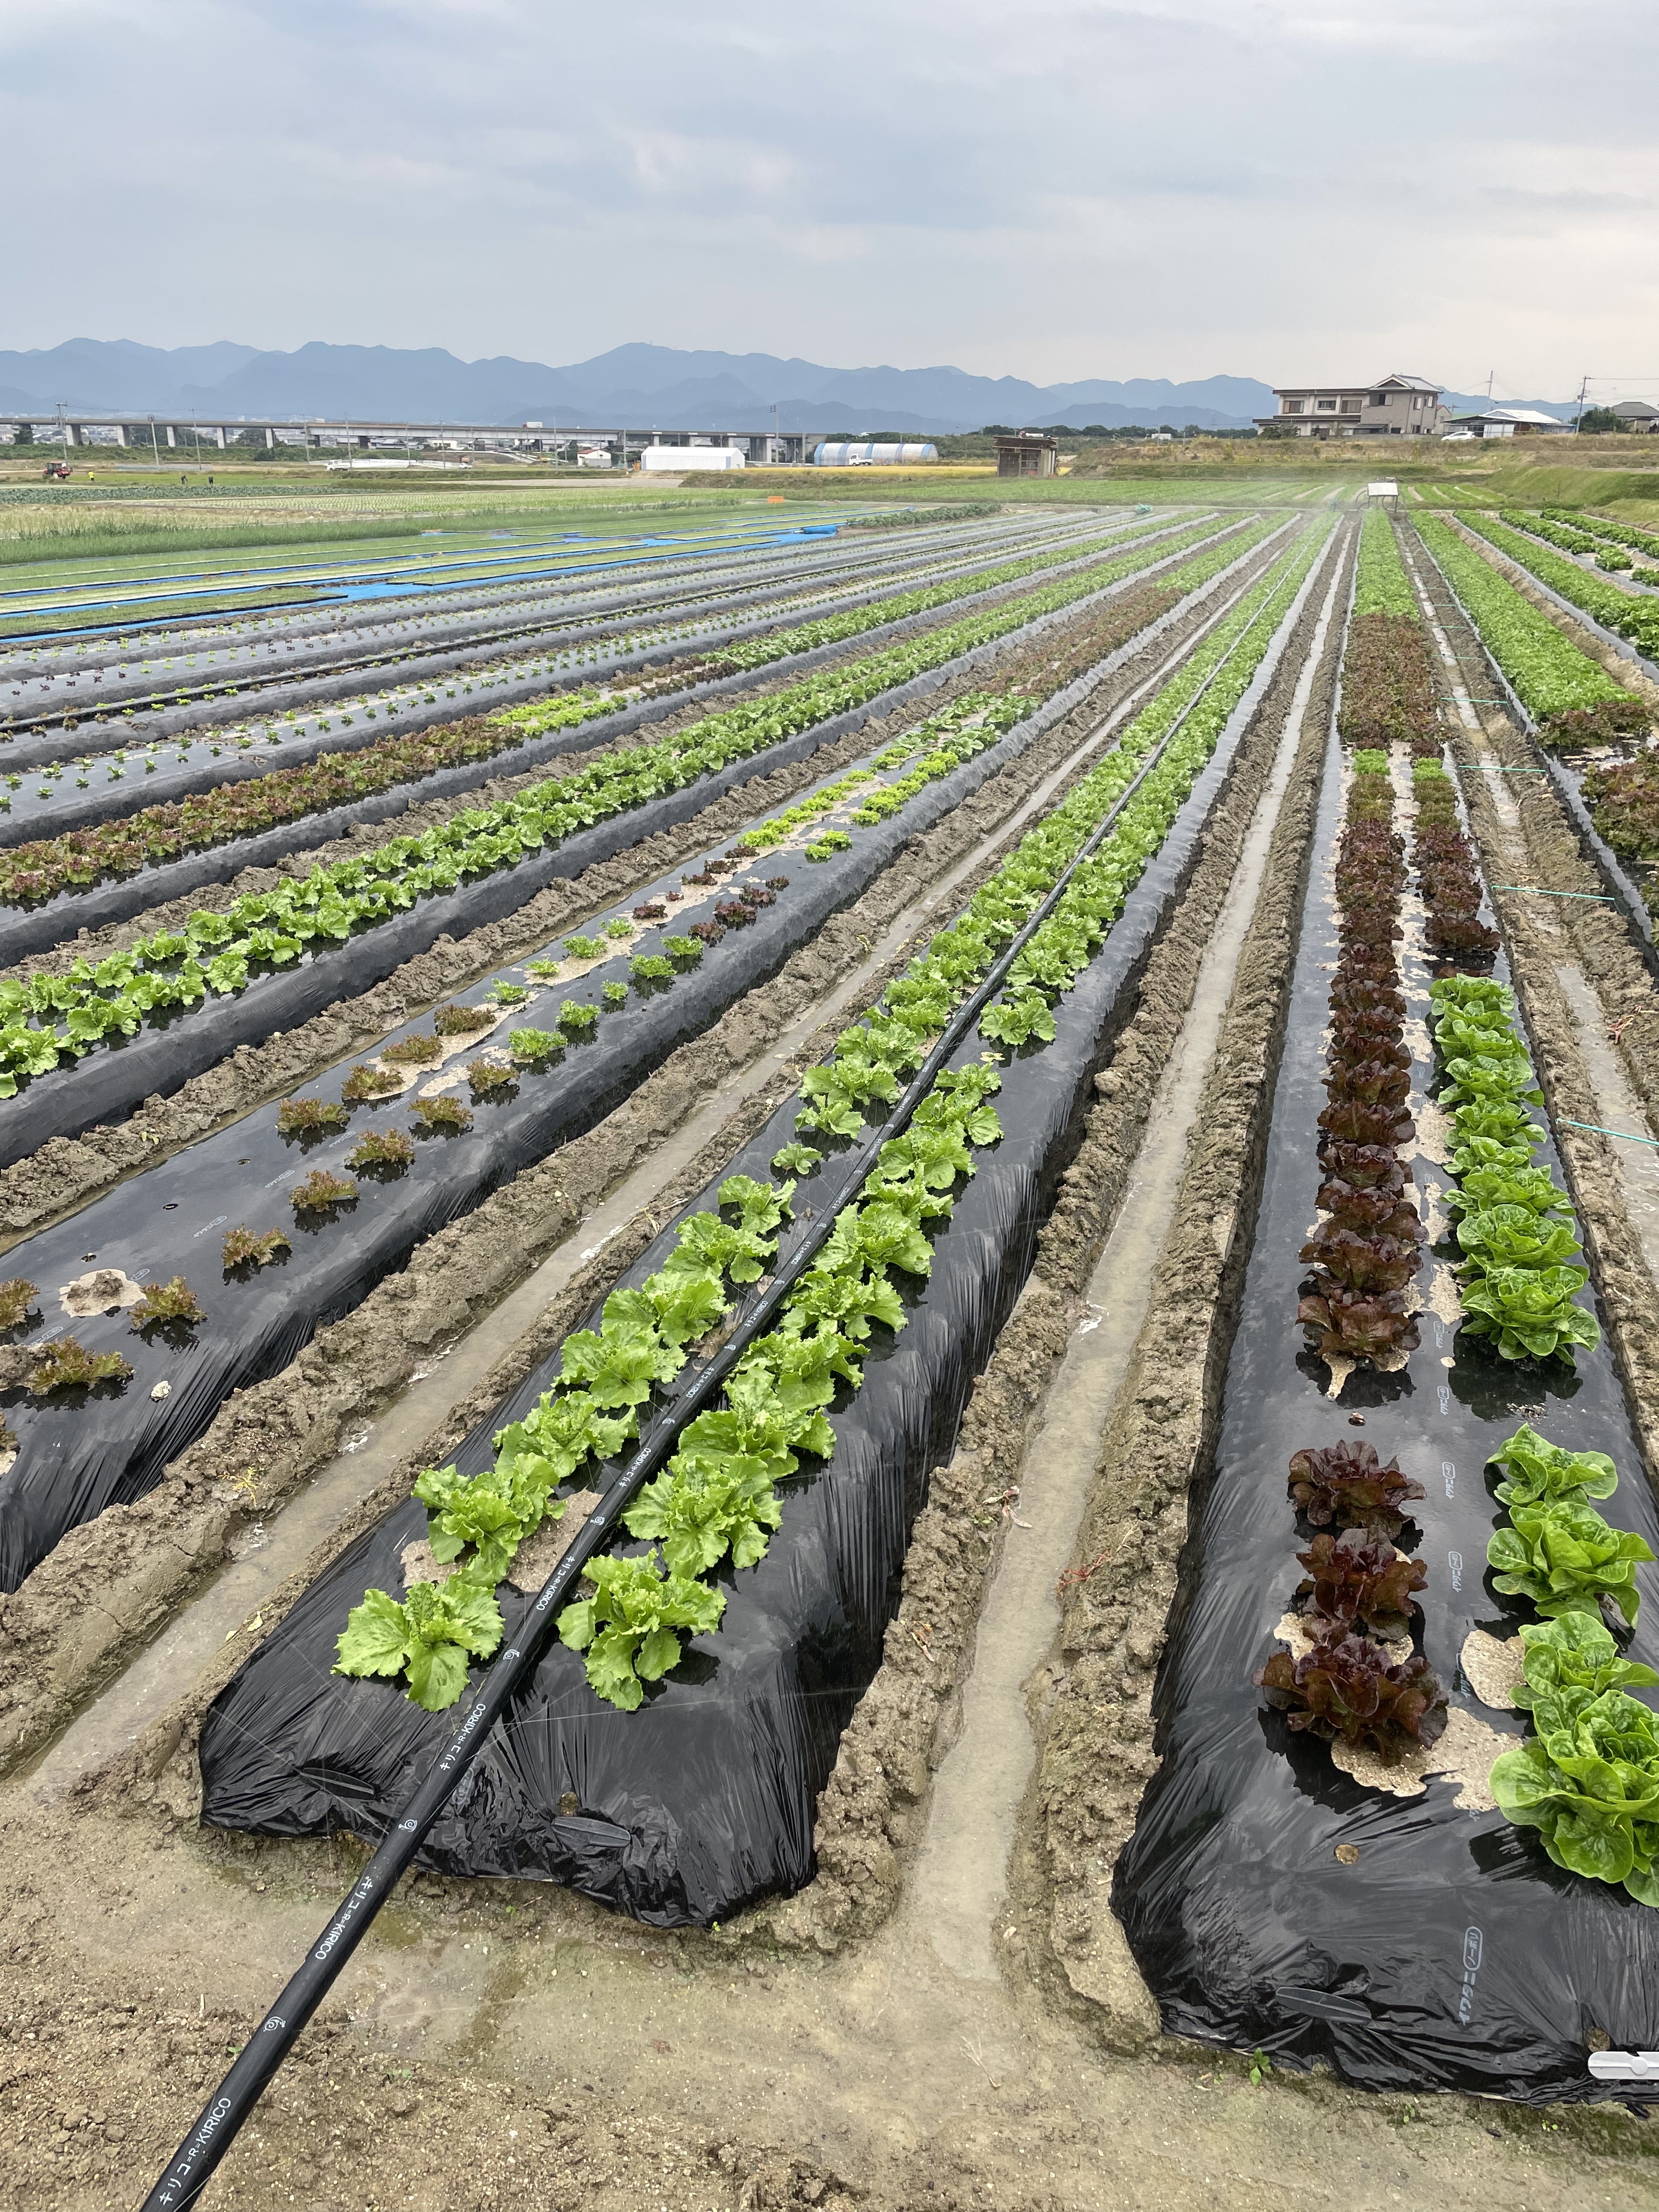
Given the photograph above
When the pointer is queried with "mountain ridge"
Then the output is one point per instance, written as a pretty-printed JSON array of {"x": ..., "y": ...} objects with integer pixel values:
[
  {"x": 639, "y": 385},
  {"x": 649, "y": 386}
]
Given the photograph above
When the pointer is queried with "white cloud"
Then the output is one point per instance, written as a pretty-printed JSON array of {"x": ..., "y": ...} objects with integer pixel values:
[{"x": 1154, "y": 187}]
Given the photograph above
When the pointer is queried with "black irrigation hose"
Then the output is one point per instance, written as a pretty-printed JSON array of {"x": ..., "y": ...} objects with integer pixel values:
[
  {"x": 1622, "y": 892},
  {"x": 226, "y": 2111}
]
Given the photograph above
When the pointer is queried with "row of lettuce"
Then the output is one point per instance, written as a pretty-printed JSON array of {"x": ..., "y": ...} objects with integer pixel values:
[
  {"x": 717, "y": 1499},
  {"x": 46, "y": 1018},
  {"x": 1588, "y": 1778},
  {"x": 1570, "y": 697},
  {"x": 44, "y": 867},
  {"x": 321, "y": 1199}
]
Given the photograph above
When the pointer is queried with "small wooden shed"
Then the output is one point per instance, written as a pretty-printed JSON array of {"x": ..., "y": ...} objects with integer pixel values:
[{"x": 1019, "y": 455}]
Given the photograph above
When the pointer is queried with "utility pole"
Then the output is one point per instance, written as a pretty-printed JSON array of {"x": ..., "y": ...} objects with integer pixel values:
[
  {"x": 1490, "y": 372},
  {"x": 1583, "y": 386},
  {"x": 154, "y": 450}
]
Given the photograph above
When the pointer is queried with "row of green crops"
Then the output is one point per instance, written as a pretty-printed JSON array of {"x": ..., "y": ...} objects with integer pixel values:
[
  {"x": 1552, "y": 678},
  {"x": 1588, "y": 1779},
  {"x": 1521, "y": 1271},
  {"x": 45, "y": 1017},
  {"x": 1620, "y": 611},
  {"x": 1601, "y": 531},
  {"x": 1563, "y": 534},
  {"x": 718, "y": 1493},
  {"x": 1381, "y": 584}
]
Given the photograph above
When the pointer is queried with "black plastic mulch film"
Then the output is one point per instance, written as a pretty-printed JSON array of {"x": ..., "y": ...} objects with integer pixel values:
[
  {"x": 703, "y": 1800},
  {"x": 76, "y": 1459},
  {"x": 38, "y": 928},
  {"x": 1444, "y": 1949},
  {"x": 113, "y": 1078},
  {"x": 475, "y": 663}
]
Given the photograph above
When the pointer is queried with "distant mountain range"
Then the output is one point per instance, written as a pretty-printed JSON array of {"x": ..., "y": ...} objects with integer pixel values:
[
  {"x": 632, "y": 386},
  {"x": 641, "y": 386}
]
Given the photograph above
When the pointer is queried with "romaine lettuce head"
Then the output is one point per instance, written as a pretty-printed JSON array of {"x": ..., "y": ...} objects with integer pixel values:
[{"x": 1516, "y": 1236}]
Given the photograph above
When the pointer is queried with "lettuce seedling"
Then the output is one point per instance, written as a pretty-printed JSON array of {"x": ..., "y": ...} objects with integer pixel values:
[
  {"x": 615, "y": 994},
  {"x": 627, "y": 1627},
  {"x": 535, "y": 1047},
  {"x": 1347, "y": 1483},
  {"x": 1535, "y": 1469},
  {"x": 1561, "y": 1554},
  {"x": 420, "y": 1050},
  {"x": 320, "y": 1192},
  {"x": 65, "y": 1363},
  {"x": 18, "y": 1295},
  {"x": 435, "y": 1114},
  {"x": 242, "y": 1248},
  {"x": 1349, "y": 1686},
  {"x": 389, "y": 1150},
  {"x": 797, "y": 1159},
  {"x": 1529, "y": 1311},
  {"x": 577, "y": 1019},
  {"x": 366, "y": 1082},
  {"x": 430, "y": 1636},
  {"x": 488, "y": 1076},
  {"x": 1355, "y": 1579},
  {"x": 457, "y": 1020},
  {"x": 308, "y": 1116},
  {"x": 172, "y": 1301}
]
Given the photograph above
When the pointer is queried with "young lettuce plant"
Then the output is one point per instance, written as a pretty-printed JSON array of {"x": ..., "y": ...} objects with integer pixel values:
[{"x": 1561, "y": 1553}]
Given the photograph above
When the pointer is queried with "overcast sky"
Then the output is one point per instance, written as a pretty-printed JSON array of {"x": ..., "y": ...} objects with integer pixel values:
[{"x": 1175, "y": 188}]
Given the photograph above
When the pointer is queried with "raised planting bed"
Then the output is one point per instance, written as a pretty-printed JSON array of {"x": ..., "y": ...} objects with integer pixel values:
[{"x": 1325, "y": 1866}]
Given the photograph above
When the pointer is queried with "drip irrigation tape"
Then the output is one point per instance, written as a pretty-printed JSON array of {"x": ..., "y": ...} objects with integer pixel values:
[
  {"x": 981, "y": 1256},
  {"x": 1270, "y": 1901},
  {"x": 1626, "y": 1136}
]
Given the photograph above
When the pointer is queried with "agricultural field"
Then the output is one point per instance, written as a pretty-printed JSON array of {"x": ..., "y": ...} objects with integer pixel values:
[{"x": 829, "y": 1358}]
